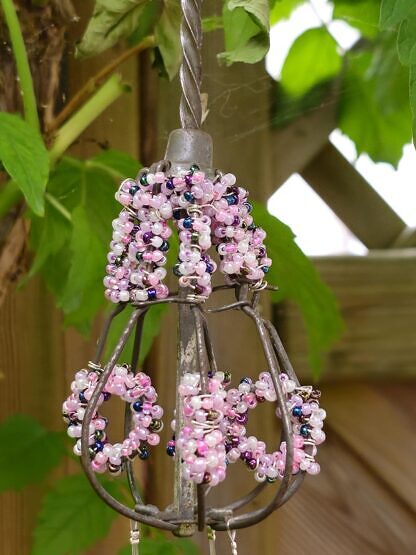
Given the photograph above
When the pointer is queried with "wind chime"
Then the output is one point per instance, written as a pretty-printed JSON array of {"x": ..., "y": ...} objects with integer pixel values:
[{"x": 208, "y": 209}]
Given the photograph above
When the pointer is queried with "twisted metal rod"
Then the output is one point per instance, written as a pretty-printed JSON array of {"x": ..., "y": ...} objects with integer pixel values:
[{"x": 190, "y": 73}]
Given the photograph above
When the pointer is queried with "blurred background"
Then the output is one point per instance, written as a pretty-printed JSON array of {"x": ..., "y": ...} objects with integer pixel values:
[{"x": 319, "y": 129}]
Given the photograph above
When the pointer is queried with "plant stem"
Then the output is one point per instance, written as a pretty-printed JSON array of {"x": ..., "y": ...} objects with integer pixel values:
[
  {"x": 102, "y": 99},
  {"x": 58, "y": 206},
  {"x": 22, "y": 63},
  {"x": 96, "y": 80}
]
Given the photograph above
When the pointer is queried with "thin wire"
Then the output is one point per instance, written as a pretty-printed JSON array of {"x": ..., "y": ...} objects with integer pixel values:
[
  {"x": 211, "y": 541},
  {"x": 232, "y": 535},
  {"x": 134, "y": 537}
]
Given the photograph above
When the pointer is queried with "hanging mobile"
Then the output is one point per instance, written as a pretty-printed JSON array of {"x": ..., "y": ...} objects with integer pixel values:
[{"x": 207, "y": 209}]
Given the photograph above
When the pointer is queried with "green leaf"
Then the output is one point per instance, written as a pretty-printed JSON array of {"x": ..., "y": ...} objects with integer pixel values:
[
  {"x": 48, "y": 236},
  {"x": 299, "y": 281},
  {"x": 117, "y": 163},
  {"x": 83, "y": 294},
  {"x": 413, "y": 98},
  {"x": 313, "y": 58},
  {"x": 72, "y": 518},
  {"x": 393, "y": 12},
  {"x": 25, "y": 159},
  {"x": 361, "y": 14},
  {"x": 167, "y": 36},
  {"x": 212, "y": 23},
  {"x": 151, "y": 329},
  {"x": 406, "y": 40},
  {"x": 147, "y": 21},
  {"x": 282, "y": 9},
  {"x": 246, "y": 31},
  {"x": 28, "y": 453},
  {"x": 111, "y": 21},
  {"x": 374, "y": 110}
]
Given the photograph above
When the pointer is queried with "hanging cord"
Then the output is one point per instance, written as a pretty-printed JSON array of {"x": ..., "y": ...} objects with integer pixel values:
[
  {"x": 232, "y": 535},
  {"x": 134, "y": 537},
  {"x": 211, "y": 541},
  {"x": 191, "y": 69}
]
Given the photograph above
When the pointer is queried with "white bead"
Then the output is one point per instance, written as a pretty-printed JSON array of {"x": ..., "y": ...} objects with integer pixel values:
[
  {"x": 141, "y": 295},
  {"x": 289, "y": 386},
  {"x": 124, "y": 296}
]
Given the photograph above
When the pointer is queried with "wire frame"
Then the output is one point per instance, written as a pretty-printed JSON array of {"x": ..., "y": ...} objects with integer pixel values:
[{"x": 190, "y": 509}]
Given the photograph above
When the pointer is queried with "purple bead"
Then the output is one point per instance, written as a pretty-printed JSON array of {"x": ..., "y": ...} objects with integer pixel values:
[
  {"x": 169, "y": 184},
  {"x": 235, "y": 442},
  {"x": 147, "y": 237},
  {"x": 252, "y": 463},
  {"x": 236, "y": 220},
  {"x": 188, "y": 179},
  {"x": 247, "y": 455},
  {"x": 242, "y": 418}
]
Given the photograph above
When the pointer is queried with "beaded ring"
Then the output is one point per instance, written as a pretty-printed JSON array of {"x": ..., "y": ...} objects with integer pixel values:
[
  {"x": 135, "y": 389},
  {"x": 306, "y": 420},
  {"x": 215, "y": 435},
  {"x": 206, "y": 211}
]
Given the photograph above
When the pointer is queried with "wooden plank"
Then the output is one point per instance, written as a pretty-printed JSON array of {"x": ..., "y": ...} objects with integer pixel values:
[
  {"x": 345, "y": 510},
  {"x": 377, "y": 298},
  {"x": 379, "y": 430},
  {"x": 352, "y": 199},
  {"x": 294, "y": 146},
  {"x": 407, "y": 238}
]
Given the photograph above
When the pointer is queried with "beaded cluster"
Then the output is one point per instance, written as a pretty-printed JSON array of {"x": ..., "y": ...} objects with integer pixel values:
[
  {"x": 215, "y": 434},
  {"x": 206, "y": 212},
  {"x": 135, "y": 389}
]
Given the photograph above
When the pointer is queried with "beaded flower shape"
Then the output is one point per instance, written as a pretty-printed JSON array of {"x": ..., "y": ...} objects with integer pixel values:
[
  {"x": 135, "y": 389},
  {"x": 215, "y": 434},
  {"x": 206, "y": 211}
]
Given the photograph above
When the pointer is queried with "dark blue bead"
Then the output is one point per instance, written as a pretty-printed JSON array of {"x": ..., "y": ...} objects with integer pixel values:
[
  {"x": 187, "y": 223},
  {"x": 246, "y": 380},
  {"x": 82, "y": 397},
  {"x": 133, "y": 190},
  {"x": 232, "y": 199},
  {"x": 151, "y": 293},
  {"x": 177, "y": 214},
  {"x": 139, "y": 256},
  {"x": 188, "y": 196},
  {"x": 99, "y": 445},
  {"x": 169, "y": 184},
  {"x": 170, "y": 451},
  {"x": 249, "y": 206},
  {"x": 297, "y": 411},
  {"x": 210, "y": 267},
  {"x": 164, "y": 247},
  {"x": 106, "y": 395},
  {"x": 144, "y": 453},
  {"x": 143, "y": 179},
  {"x": 176, "y": 270},
  {"x": 138, "y": 406},
  {"x": 265, "y": 269},
  {"x": 194, "y": 168},
  {"x": 304, "y": 430}
]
